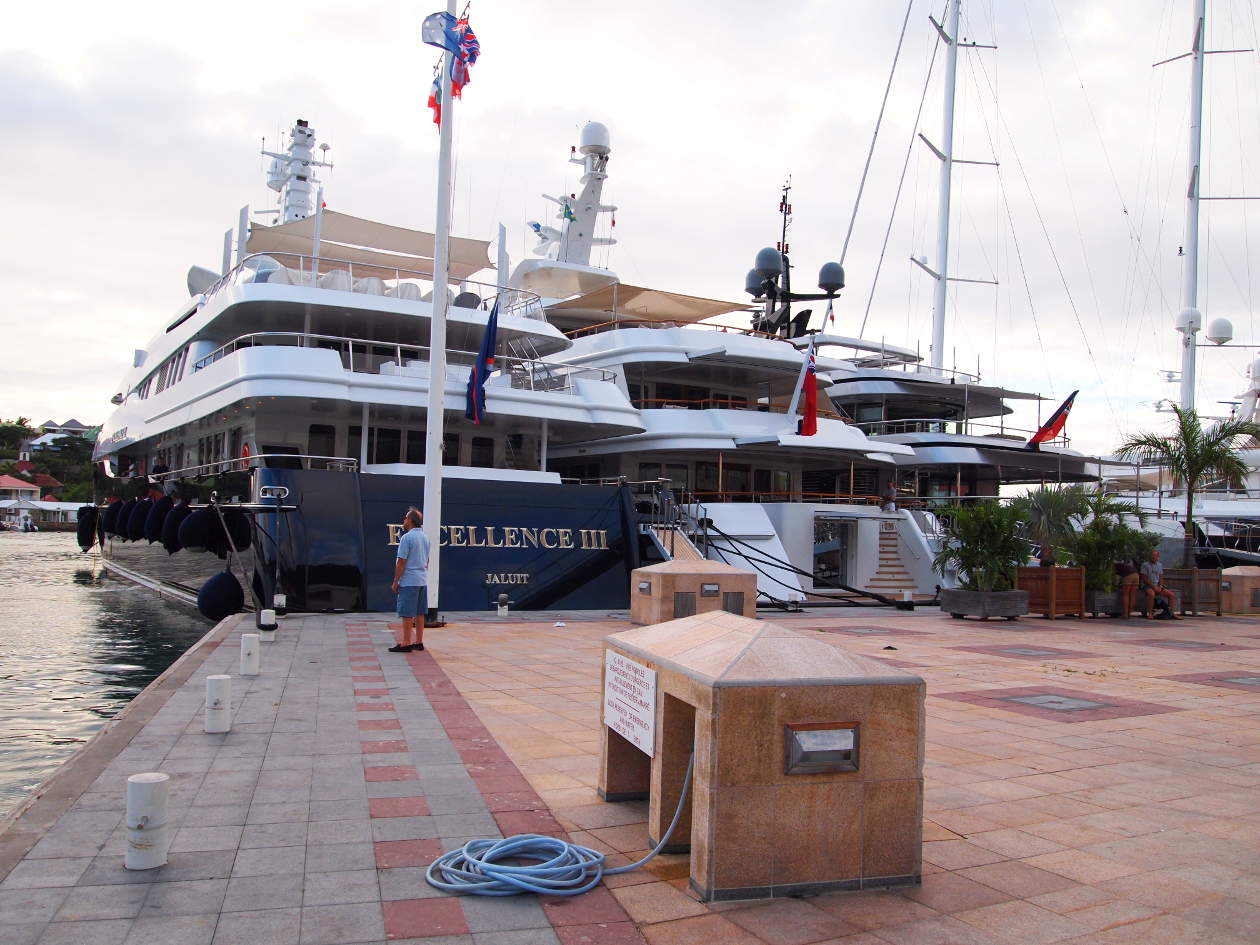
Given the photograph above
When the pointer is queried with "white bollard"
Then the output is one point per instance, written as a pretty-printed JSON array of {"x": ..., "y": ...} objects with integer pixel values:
[
  {"x": 907, "y": 595},
  {"x": 267, "y": 626},
  {"x": 249, "y": 654},
  {"x": 147, "y": 840},
  {"x": 218, "y": 704},
  {"x": 281, "y": 604}
]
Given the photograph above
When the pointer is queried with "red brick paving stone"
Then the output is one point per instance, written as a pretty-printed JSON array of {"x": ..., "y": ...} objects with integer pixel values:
[
  {"x": 514, "y": 800},
  {"x": 1219, "y": 679},
  {"x": 423, "y": 918},
  {"x": 790, "y": 922},
  {"x": 390, "y": 773},
  {"x": 374, "y": 707},
  {"x": 1042, "y": 652},
  {"x": 370, "y": 748},
  {"x": 398, "y": 807},
  {"x": 379, "y": 725},
  {"x": 949, "y": 892},
  {"x": 529, "y": 821},
  {"x": 596, "y": 906},
  {"x": 503, "y": 784},
  {"x": 371, "y": 692},
  {"x": 392, "y": 854},
  {"x": 874, "y": 909},
  {"x": 708, "y": 930},
  {"x": 603, "y": 933},
  {"x": 365, "y": 679}
]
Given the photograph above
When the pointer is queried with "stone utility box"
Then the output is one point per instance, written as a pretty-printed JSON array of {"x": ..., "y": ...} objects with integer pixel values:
[
  {"x": 680, "y": 588},
  {"x": 808, "y": 759}
]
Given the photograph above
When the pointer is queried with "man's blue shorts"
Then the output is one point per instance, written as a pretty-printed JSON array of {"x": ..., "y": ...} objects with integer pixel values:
[{"x": 413, "y": 601}]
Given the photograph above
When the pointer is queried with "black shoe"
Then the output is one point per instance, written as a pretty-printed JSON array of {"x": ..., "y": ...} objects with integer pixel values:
[
  {"x": 416, "y": 647},
  {"x": 400, "y": 649}
]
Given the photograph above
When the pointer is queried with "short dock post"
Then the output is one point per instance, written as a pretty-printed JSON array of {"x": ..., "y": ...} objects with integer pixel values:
[
  {"x": 218, "y": 704},
  {"x": 281, "y": 604},
  {"x": 267, "y": 626},
  {"x": 147, "y": 841},
  {"x": 249, "y": 654}
]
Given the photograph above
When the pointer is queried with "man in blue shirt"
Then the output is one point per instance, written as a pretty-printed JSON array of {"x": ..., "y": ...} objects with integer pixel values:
[
  {"x": 1152, "y": 577},
  {"x": 411, "y": 571}
]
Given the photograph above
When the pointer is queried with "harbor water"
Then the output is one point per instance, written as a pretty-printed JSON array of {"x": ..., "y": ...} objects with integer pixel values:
[{"x": 75, "y": 646}]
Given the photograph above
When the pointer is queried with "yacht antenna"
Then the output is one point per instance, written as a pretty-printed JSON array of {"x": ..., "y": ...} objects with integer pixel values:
[
  {"x": 785, "y": 279},
  {"x": 290, "y": 172}
]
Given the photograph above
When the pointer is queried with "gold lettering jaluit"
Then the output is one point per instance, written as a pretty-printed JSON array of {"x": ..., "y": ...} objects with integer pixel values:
[
  {"x": 504, "y": 578},
  {"x": 395, "y": 533}
]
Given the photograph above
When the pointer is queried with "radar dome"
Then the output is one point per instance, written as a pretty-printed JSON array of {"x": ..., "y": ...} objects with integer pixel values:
[
  {"x": 1189, "y": 320},
  {"x": 1220, "y": 331},
  {"x": 595, "y": 139},
  {"x": 769, "y": 262}
]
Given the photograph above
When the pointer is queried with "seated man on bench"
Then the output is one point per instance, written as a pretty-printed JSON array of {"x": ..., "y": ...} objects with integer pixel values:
[{"x": 1153, "y": 584}]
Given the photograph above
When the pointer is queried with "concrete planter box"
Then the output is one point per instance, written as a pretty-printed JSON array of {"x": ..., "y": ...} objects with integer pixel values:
[
  {"x": 1053, "y": 592},
  {"x": 984, "y": 604},
  {"x": 1104, "y": 602}
]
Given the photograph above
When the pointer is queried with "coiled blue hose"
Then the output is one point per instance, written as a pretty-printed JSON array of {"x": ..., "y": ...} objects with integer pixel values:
[{"x": 559, "y": 869}]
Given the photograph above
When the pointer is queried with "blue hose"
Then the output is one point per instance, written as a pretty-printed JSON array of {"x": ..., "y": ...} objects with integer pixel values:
[{"x": 559, "y": 868}]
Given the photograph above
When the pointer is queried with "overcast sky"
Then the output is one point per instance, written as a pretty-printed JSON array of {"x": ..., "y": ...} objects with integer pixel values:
[{"x": 130, "y": 133}]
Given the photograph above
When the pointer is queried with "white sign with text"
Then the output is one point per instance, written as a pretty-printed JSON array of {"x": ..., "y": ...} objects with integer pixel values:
[{"x": 630, "y": 701}]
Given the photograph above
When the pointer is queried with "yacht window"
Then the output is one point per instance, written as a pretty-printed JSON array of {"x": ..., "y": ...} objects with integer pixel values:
[
  {"x": 234, "y": 444},
  {"x": 649, "y": 471},
  {"x": 869, "y": 413},
  {"x": 321, "y": 439},
  {"x": 354, "y": 442},
  {"x": 482, "y": 452},
  {"x": 676, "y": 473},
  {"x": 761, "y": 481},
  {"x": 450, "y": 449},
  {"x": 706, "y": 477},
  {"x": 782, "y": 481},
  {"x": 280, "y": 457},
  {"x": 415, "y": 446},
  {"x": 679, "y": 395},
  {"x": 636, "y": 393},
  {"x": 386, "y": 445},
  {"x": 737, "y": 479}
]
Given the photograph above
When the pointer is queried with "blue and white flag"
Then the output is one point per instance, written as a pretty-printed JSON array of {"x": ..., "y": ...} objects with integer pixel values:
[
  {"x": 475, "y": 397},
  {"x": 438, "y": 30}
]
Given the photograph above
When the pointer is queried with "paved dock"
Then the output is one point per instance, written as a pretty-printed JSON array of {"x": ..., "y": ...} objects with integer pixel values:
[{"x": 1087, "y": 782}]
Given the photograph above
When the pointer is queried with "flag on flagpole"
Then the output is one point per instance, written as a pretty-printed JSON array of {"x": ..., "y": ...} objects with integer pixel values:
[
  {"x": 435, "y": 100},
  {"x": 475, "y": 397},
  {"x": 1054, "y": 426},
  {"x": 831, "y": 315},
  {"x": 457, "y": 38},
  {"x": 807, "y": 385},
  {"x": 809, "y": 418}
]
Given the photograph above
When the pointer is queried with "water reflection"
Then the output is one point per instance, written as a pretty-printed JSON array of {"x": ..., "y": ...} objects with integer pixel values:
[{"x": 75, "y": 646}]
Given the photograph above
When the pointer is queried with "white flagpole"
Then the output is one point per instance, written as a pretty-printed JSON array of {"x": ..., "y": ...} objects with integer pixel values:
[
  {"x": 433, "y": 433},
  {"x": 800, "y": 381}
]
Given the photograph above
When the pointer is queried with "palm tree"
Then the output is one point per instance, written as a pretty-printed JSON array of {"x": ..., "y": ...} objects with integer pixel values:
[
  {"x": 1049, "y": 514},
  {"x": 1193, "y": 454}
]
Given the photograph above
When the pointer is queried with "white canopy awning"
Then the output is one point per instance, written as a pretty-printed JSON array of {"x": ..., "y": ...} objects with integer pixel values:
[
  {"x": 641, "y": 302},
  {"x": 368, "y": 243}
]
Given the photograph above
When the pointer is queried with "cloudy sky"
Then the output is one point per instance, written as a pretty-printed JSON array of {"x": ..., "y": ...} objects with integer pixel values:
[{"x": 130, "y": 133}]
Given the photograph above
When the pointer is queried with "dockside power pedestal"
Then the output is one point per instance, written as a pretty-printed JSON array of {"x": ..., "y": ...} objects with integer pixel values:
[{"x": 808, "y": 759}]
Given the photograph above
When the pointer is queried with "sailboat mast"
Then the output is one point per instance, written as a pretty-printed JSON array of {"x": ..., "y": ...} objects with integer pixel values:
[
  {"x": 1190, "y": 319},
  {"x": 949, "y": 36},
  {"x": 434, "y": 426}
]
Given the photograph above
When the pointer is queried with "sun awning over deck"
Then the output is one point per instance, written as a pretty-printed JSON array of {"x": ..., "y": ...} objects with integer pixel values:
[
  {"x": 641, "y": 302},
  {"x": 368, "y": 243}
]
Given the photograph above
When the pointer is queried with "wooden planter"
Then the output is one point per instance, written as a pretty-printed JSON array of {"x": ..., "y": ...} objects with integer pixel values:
[
  {"x": 983, "y": 604},
  {"x": 1198, "y": 590},
  {"x": 1053, "y": 592}
]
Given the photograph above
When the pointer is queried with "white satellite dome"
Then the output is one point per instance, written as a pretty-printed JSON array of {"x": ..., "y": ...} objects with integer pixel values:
[{"x": 595, "y": 139}]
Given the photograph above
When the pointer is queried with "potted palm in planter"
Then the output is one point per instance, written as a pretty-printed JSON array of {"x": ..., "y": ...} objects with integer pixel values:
[
  {"x": 982, "y": 546},
  {"x": 1051, "y": 517},
  {"x": 1096, "y": 549}
]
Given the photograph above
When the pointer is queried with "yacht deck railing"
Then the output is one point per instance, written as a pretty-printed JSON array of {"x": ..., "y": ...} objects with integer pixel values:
[
  {"x": 364, "y": 356},
  {"x": 243, "y": 463},
  {"x": 329, "y": 272},
  {"x": 957, "y": 427}
]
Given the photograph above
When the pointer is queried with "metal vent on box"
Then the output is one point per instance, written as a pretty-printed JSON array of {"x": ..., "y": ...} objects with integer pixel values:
[
  {"x": 816, "y": 747},
  {"x": 733, "y": 602}
]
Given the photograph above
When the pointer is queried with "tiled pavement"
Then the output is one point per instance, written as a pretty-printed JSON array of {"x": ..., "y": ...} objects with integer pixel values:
[{"x": 1087, "y": 782}]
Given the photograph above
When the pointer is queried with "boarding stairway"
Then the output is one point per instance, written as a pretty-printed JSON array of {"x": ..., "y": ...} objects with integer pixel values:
[{"x": 891, "y": 577}]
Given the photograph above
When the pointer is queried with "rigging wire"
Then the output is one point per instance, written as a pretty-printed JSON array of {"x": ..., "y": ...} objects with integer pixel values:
[
  {"x": 1041, "y": 220},
  {"x": 875, "y": 136},
  {"x": 883, "y": 250}
]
